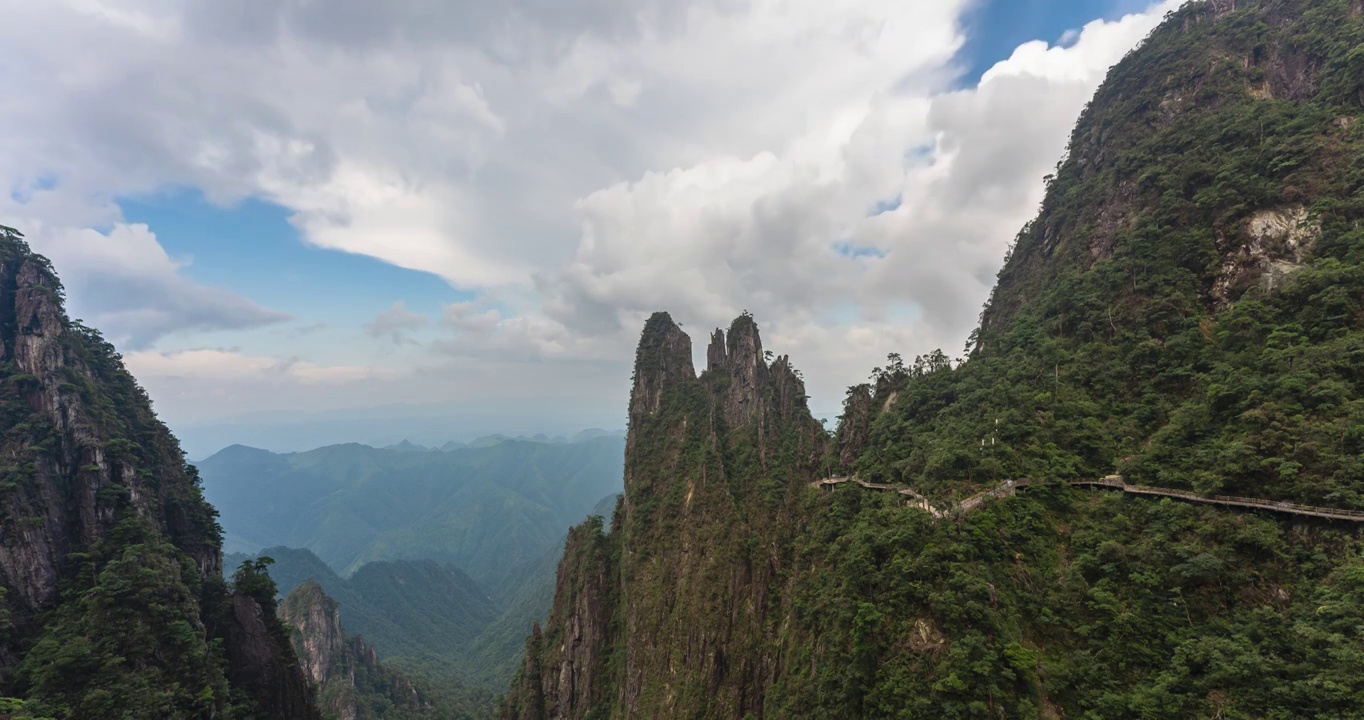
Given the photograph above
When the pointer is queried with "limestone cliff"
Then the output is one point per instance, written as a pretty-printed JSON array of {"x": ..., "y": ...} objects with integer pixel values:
[
  {"x": 80, "y": 443},
  {"x": 350, "y": 682},
  {"x": 89, "y": 480},
  {"x": 672, "y": 612}
]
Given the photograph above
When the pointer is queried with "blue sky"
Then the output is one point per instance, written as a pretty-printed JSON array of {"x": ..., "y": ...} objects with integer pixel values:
[
  {"x": 408, "y": 213},
  {"x": 996, "y": 27}
]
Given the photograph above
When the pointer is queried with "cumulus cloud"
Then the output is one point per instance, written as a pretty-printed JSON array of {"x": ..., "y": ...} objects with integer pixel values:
[
  {"x": 396, "y": 324},
  {"x": 191, "y": 385},
  {"x": 797, "y": 238},
  {"x": 124, "y": 283},
  {"x": 592, "y": 160},
  {"x": 218, "y": 365}
]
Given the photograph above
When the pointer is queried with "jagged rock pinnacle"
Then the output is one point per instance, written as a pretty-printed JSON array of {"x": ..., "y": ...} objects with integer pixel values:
[
  {"x": 747, "y": 369},
  {"x": 663, "y": 359},
  {"x": 715, "y": 352}
]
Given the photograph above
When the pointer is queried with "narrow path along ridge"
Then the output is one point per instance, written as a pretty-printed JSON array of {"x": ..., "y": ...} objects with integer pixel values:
[{"x": 1008, "y": 488}]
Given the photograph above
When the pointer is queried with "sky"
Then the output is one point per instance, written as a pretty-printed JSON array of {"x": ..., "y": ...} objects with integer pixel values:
[{"x": 357, "y": 217}]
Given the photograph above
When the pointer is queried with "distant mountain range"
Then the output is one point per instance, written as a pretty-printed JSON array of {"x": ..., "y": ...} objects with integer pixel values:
[
  {"x": 490, "y": 440},
  {"x": 429, "y": 615},
  {"x": 485, "y": 509},
  {"x": 432, "y": 617},
  {"x": 440, "y": 558},
  {"x": 429, "y": 425}
]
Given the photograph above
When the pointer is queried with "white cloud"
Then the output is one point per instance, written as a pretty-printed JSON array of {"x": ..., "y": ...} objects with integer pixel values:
[
  {"x": 396, "y": 324},
  {"x": 208, "y": 385},
  {"x": 575, "y": 164},
  {"x": 204, "y": 367},
  {"x": 124, "y": 283},
  {"x": 762, "y": 233}
]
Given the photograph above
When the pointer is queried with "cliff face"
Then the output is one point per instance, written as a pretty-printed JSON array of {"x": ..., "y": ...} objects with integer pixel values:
[
  {"x": 1188, "y": 308},
  {"x": 345, "y": 672},
  {"x": 673, "y": 612},
  {"x": 1205, "y": 150},
  {"x": 70, "y": 460},
  {"x": 88, "y": 476},
  {"x": 566, "y": 664}
]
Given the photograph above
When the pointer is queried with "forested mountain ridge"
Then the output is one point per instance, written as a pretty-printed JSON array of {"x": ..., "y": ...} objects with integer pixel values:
[
  {"x": 422, "y": 615},
  {"x": 483, "y": 509},
  {"x": 1187, "y": 309},
  {"x": 112, "y": 601}
]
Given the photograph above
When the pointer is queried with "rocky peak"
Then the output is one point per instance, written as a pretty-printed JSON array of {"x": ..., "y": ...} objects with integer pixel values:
[
  {"x": 716, "y": 358},
  {"x": 662, "y": 361},
  {"x": 315, "y": 621},
  {"x": 345, "y": 672},
  {"x": 72, "y": 411},
  {"x": 564, "y": 672},
  {"x": 747, "y": 371},
  {"x": 854, "y": 427},
  {"x": 710, "y": 470}
]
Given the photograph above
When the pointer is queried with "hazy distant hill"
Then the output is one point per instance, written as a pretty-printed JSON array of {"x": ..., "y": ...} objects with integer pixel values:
[
  {"x": 426, "y": 615},
  {"x": 483, "y": 509}
]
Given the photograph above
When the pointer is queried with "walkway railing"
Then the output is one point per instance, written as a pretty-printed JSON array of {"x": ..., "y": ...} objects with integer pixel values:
[{"x": 1010, "y": 487}]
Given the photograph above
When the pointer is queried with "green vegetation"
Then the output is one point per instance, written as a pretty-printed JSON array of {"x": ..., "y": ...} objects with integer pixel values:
[
  {"x": 16, "y": 709},
  {"x": 356, "y": 685},
  {"x": 1102, "y": 605},
  {"x": 1141, "y": 324},
  {"x": 1188, "y": 310},
  {"x": 107, "y": 532},
  {"x": 430, "y": 619},
  {"x": 131, "y": 643}
]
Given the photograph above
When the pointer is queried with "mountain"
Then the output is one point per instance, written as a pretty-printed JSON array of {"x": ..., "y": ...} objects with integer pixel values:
[
  {"x": 483, "y": 509},
  {"x": 351, "y": 683},
  {"x": 112, "y": 601},
  {"x": 403, "y": 607},
  {"x": 1181, "y": 330},
  {"x": 407, "y": 446},
  {"x": 423, "y": 615}
]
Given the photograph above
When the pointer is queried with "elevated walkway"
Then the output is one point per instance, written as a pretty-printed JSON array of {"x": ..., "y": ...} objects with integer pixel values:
[{"x": 1113, "y": 482}]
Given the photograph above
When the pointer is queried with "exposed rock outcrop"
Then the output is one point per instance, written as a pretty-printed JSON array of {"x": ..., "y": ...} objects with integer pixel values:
[
  {"x": 663, "y": 360},
  {"x": 62, "y": 465},
  {"x": 854, "y": 427},
  {"x": 258, "y": 659},
  {"x": 564, "y": 673},
  {"x": 86, "y": 469},
  {"x": 345, "y": 672},
  {"x": 1274, "y": 244},
  {"x": 669, "y": 612}
]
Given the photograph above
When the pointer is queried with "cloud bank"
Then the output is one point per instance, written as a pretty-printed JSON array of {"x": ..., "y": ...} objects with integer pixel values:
[{"x": 572, "y": 166}]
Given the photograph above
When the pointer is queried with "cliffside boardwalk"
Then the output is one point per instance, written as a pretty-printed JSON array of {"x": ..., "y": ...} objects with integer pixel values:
[{"x": 1008, "y": 488}]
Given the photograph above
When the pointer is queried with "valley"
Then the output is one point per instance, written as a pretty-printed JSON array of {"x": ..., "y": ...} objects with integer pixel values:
[{"x": 1137, "y": 493}]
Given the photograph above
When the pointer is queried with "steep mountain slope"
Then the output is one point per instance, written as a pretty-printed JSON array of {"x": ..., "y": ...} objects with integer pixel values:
[
  {"x": 351, "y": 683},
  {"x": 483, "y": 509},
  {"x": 1187, "y": 309},
  {"x": 112, "y": 601},
  {"x": 673, "y": 610}
]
